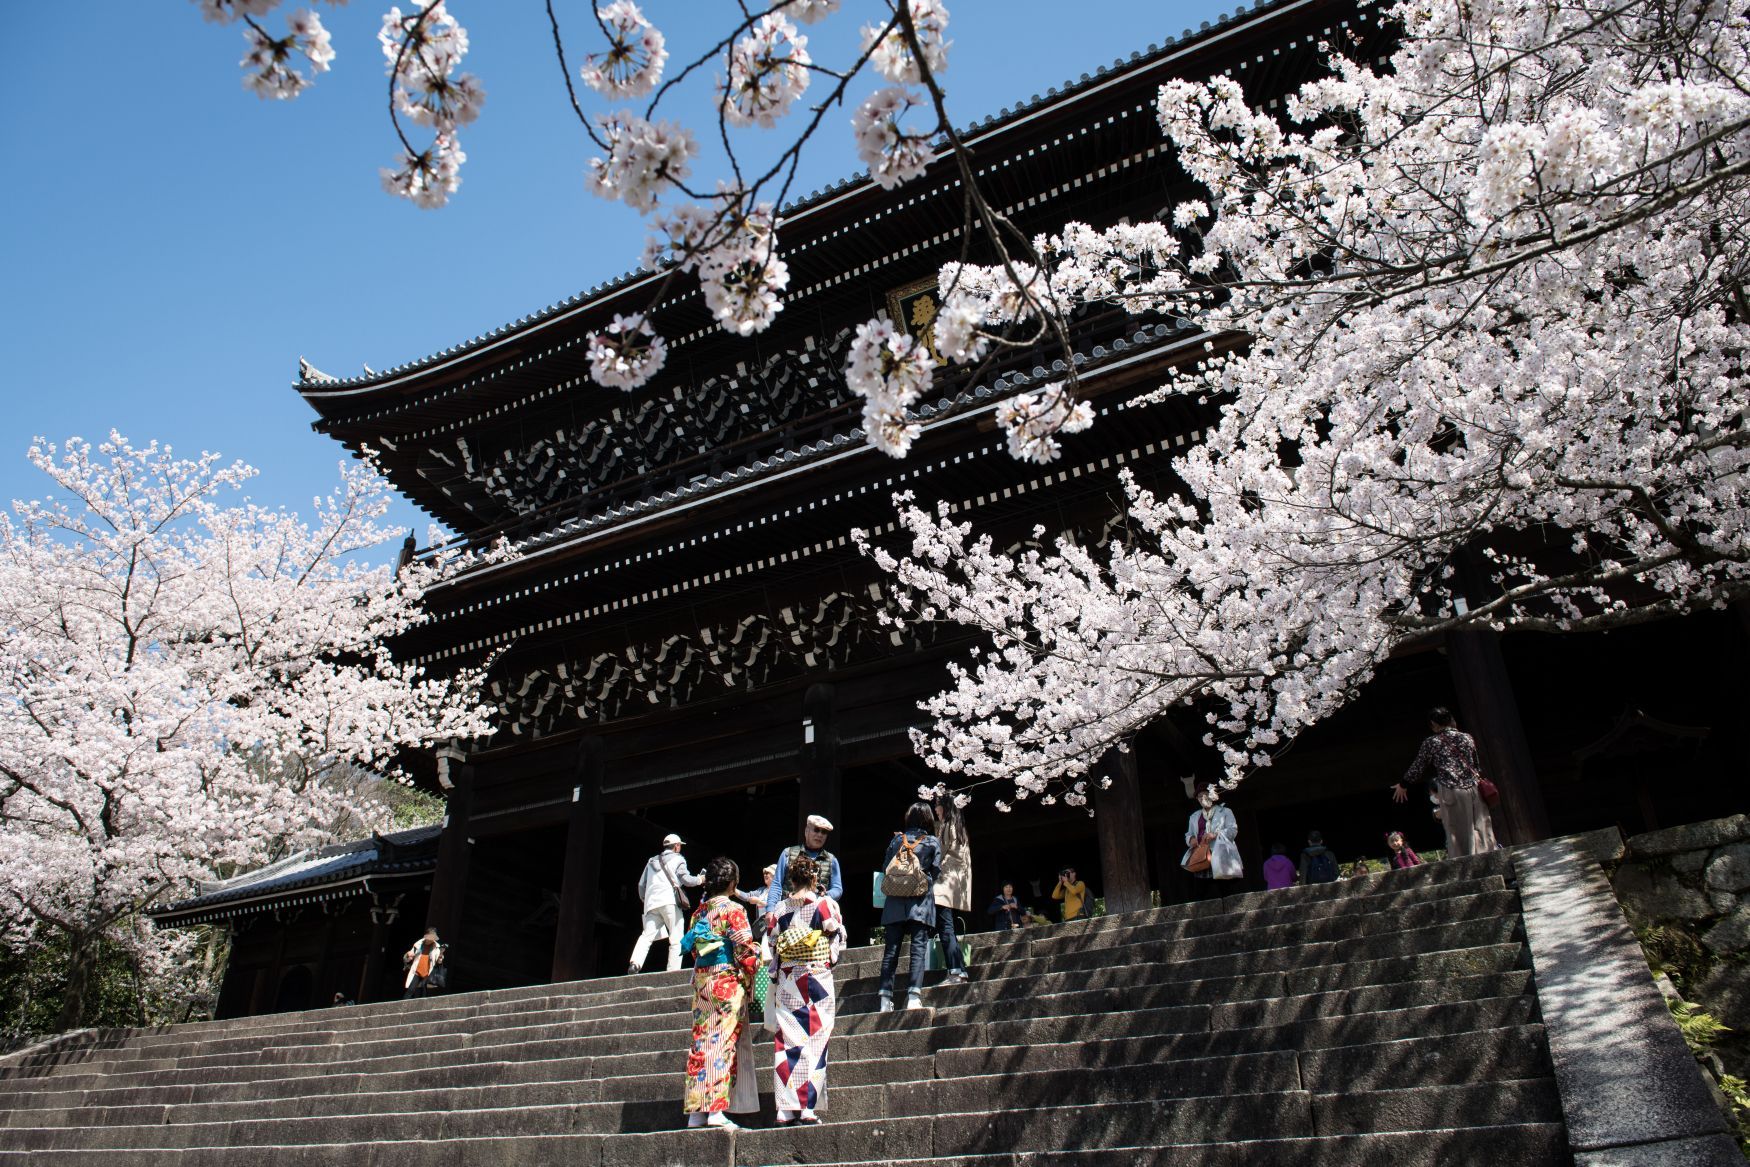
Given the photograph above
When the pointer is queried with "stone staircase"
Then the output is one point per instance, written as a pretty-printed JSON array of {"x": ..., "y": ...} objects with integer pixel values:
[{"x": 1385, "y": 1020}]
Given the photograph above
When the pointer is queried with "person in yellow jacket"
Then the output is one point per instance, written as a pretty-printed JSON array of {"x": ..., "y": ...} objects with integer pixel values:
[{"x": 1071, "y": 893}]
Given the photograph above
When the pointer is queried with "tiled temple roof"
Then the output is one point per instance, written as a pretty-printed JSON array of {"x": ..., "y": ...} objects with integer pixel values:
[
  {"x": 398, "y": 852},
  {"x": 322, "y": 385}
]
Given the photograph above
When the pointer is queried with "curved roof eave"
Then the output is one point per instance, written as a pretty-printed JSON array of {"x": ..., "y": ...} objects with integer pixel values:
[{"x": 595, "y": 298}]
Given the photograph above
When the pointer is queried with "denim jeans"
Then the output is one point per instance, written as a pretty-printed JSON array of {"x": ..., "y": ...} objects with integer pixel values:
[
  {"x": 920, "y": 943},
  {"x": 951, "y": 955}
]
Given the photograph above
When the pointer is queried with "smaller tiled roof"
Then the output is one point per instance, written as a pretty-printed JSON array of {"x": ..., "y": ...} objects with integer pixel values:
[{"x": 398, "y": 852}]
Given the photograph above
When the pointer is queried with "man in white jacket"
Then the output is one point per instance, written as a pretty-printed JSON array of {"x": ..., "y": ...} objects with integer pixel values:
[{"x": 664, "y": 906}]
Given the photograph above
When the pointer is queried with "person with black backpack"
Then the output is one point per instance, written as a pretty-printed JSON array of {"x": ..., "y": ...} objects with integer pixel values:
[
  {"x": 908, "y": 882},
  {"x": 1317, "y": 863}
]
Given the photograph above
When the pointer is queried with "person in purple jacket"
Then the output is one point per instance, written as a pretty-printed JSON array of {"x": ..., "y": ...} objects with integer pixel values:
[{"x": 1279, "y": 868}]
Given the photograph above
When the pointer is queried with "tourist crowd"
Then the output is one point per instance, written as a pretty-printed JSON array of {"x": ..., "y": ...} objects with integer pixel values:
[{"x": 771, "y": 950}]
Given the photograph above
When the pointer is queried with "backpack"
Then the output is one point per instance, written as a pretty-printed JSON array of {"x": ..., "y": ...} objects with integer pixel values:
[
  {"x": 904, "y": 875},
  {"x": 1321, "y": 868}
]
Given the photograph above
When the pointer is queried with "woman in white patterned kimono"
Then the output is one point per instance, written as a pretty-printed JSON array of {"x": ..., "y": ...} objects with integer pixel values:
[{"x": 807, "y": 932}]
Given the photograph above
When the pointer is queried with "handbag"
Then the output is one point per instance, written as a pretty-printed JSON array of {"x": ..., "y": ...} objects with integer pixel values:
[
  {"x": 1490, "y": 792},
  {"x": 680, "y": 897},
  {"x": 1198, "y": 861},
  {"x": 1224, "y": 860},
  {"x": 439, "y": 978}
]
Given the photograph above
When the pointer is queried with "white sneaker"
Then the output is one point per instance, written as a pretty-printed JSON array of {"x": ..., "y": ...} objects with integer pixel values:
[
  {"x": 957, "y": 977},
  {"x": 913, "y": 1001},
  {"x": 886, "y": 1004}
]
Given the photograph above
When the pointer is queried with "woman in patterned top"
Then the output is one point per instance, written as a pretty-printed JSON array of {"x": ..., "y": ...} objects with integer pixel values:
[
  {"x": 720, "y": 1068},
  {"x": 808, "y": 935},
  {"x": 1448, "y": 760}
]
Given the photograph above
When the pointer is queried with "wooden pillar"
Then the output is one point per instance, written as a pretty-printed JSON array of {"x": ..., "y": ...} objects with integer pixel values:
[
  {"x": 1123, "y": 847},
  {"x": 326, "y": 978},
  {"x": 449, "y": 882},
  {"x": 574, "y": 948},
  {"x": 1250, "y": 843},
  {"x": 1490, "y": 714},
  {"x": 377, "y": 955},
  {"x": 819, "y": 763}
]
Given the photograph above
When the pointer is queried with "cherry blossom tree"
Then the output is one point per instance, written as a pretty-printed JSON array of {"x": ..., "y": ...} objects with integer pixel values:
[
  {"x": 189, "y": 689},
  {"x": 1481, "y": 307},
  {"x": 1477, "y": 324}
]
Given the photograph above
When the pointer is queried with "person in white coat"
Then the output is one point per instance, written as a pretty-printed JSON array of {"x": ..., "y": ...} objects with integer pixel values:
[
  {"x": 665, "y": 905},
  {"x": 1213, "y": 823}
]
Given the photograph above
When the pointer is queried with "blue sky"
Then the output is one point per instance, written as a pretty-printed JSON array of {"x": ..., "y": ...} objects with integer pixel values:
[{"x": 172, "y": 244}]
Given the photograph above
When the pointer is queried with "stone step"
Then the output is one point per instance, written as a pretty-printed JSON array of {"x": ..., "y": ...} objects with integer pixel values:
[
  {"x": 1161, "y": 1131},
  {"x": 347, "y": 1022},
  {"x": 1526, "y": 1145},
  {"x": 959, "y": 1052},
  {"x": 1386, "y": 1020},
  {"x": 1286, "y": 1113},
  {"x": 1495, "y": 913},
  {"x": 1500, "y": 1145},
  {"x": 1099, "y": 1005},
  {"x": 1252, "y": 910},
  {"x": 630, "y": 993},
  {"x": 1190, "y": 959},
  {"x": 1492, "y": 960}
]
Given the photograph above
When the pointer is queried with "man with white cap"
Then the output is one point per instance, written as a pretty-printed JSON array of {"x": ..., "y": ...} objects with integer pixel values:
[
  {"x": 813, "y": 845},
  {"x": 665, "y": 904}
]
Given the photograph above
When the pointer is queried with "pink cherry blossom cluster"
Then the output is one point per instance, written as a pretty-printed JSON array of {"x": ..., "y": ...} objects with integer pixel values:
[
  {"x": 810, "y": 11},
  {"x": 1032, "y": 421},
  {"x": 631, "y": 65},
  {"x": 643, "y": 159},
  {"x": 893, "y": 154},
  {"x": 626, "y": 353},
  {"x": 889, "y": 370},
  {"x": 768, "y": 70},
  {"x": 270, "y": 60},
  {"x": 423, "y": 48},
  {"x": 891, "y": 53}
]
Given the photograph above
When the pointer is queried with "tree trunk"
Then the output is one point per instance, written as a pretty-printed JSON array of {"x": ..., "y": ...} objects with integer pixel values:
[{"x": 81, "y": 965}]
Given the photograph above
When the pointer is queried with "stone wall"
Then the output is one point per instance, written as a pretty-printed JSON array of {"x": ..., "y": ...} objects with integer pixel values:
[{"x": 1686, "y": 891}]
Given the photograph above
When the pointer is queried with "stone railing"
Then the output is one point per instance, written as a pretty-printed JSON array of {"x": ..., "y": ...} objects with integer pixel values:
[{"x": 1686, "y": 891}]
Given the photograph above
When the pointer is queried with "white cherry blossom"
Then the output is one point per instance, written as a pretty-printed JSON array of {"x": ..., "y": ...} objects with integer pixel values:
[
  {"x": 890, "y": 370},
  {"x": 644, "y": 159},
  {"x": 626, "y": 354},
  {"x": 893, "y": 154},
  {"x": 632, "y": 64},
  {"x": 429, "y": 178},
  {"x": 891, "y": 54},
  {"x": 768, "y": 71},
  {"x": 423, "y": 49}
]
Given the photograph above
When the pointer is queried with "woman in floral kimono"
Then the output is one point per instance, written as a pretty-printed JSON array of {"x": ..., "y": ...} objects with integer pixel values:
[
  {"x": 807, "y": 933},
  {"x": 720, "y": 1073}
]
